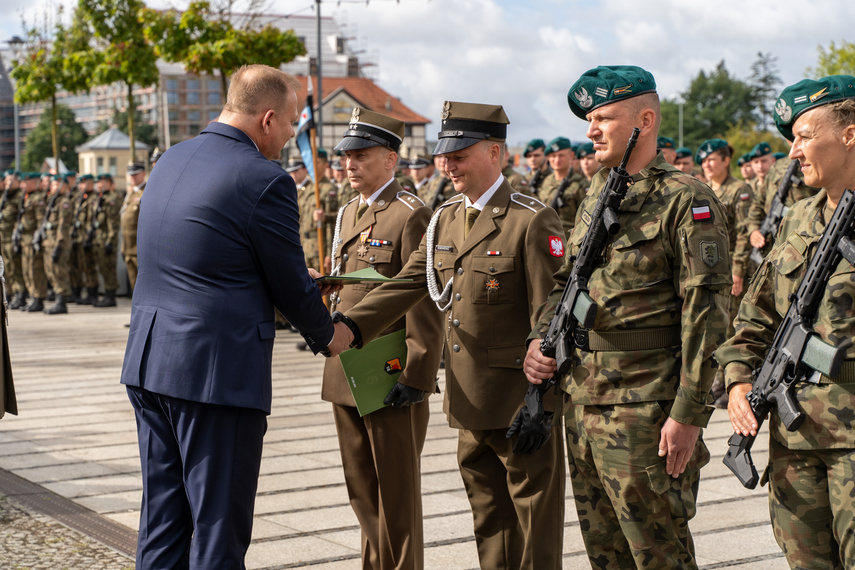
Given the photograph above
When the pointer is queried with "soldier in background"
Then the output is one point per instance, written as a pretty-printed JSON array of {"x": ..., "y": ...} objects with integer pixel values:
[
  {"x": 129, "y": 215},
  {"x": 56, "y": 243},
  {"x": 685, "y": 160},
  {"x": 588, "y": 164},
  {"x": 440, "y": 188},
  {"x": 745, "y": 168},
  {"x": 538, "y": 167},
  {"x": 564, "y": 189},
  {"x": 516, "y": 180},
  {"x": 761, "y": 160},
  {"x": 668, "y": 148},
  {"x": 32, "y": 260},
  {"x": 422, "y": 171},
  {"x": 105, "y": 226},
  {"x": 84, "y": 277},
  {"x": 10, "y": 205}
]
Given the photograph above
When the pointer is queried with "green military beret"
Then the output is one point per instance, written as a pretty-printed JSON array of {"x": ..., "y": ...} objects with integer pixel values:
[
  {"x": 558, "y": 143},
  {"x": 707, "y": 148},
  {"x": 807, "y": 94},
  {"x": 743, "y": 159},
  {"x": 105, "y": 177},
  {"x": 87, "y": 177},
  {"x": 683, "y": 152},
  {"x": 760, "y": 149},
  {"x": 70, "y": 174},
  {"x": 464, "y": 124},
  {"x": 13, "y": 172},
  {"x": 584, "y": 149},
  {"x": 607, "y": 84},
  {"x": 665, "y": 142},
  {"x": 322, "y": 153},
  {"x": 30, "y": 175},
  {"x": 779, "y": 155},
  {"x": 59, "y": 177},
  {"x": 532, "y": 146},
  {"x": 368, "y": 129}
]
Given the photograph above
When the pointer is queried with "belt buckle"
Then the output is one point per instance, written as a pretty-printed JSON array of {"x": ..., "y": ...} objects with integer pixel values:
[{"x": 580, "y": 339}]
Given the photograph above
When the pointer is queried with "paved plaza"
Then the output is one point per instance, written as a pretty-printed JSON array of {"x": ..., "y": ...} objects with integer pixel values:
[{"x": 70, "y": 476}]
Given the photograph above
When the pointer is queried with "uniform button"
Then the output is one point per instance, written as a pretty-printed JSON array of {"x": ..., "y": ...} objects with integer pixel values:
[
  {"x": 492, "y": 270},
  {"x": 439, "y": 264},
  {"x": 518, "y": 361},
  {"x": 455, "y": 348},
  {"x": 460, "y": 271},
  {"x": 371, "y": 259},
  {"x": 457, "y": 297},
  {"x": 455, "y": 322},
  {"x": 344, "y": 257}
]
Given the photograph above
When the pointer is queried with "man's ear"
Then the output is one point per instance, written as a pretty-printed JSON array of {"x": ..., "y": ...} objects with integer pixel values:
[{"x": 265, "y": 121}]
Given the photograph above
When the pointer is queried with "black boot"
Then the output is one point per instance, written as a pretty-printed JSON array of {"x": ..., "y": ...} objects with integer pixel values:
[
  {"x": 17, "y": 301},
  {"x": 51, "y": 295},
  {"x": 75, "y": 295},
  {"x": 36, "y": 306},
  {"x": 59, "y": 307},
  {"x": 91, "y": 296},
  {"x": 109, "y": 299}
]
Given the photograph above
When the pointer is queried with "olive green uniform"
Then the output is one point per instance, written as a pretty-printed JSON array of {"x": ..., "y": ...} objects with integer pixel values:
[
  {"x": 441, "y": 184},
  {"x": 663, "y": 295},
  {"x": 32, "y": 261},
  {"x": 56, "y": 246},
  {"x": 308, "y": 227},
  {"x": 130, "y": 215},
  {"x": 572, "y": 194},
  {"x": 104, "y": 216},
  {"x": 536, "y": 178},
  {"x": 517, "y": 181},
  {"x": 11, "y": 204},
  {"x": 83, "y": 273}
]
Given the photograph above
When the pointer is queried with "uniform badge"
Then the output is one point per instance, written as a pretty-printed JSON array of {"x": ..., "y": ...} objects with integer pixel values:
[
  {"x": 586, "y": 217},
  {"x": 492, "y": 253},
  {"x": 446, "y": 110},
  {"x": 393, "y": 366},
  {"x": 744, "y": 196},
  {"x": 556, "y": 246},
  {"x": 622, "y": 90},
  {"x": 354, "y": 118},
  {"x": 492, "y": 284},
  {"x": 445, "y": 248},
  {"x": 784, "y": 111},
  {"x": 701, "y": 213},
  {"x": 583, "y": 98},
  {"x": 709, "y": 253},
  {"x": 819, "y": 94},
  {"x": 601, "y": 92}
]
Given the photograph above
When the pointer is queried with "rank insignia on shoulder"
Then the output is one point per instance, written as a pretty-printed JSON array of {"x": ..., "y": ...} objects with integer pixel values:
[
  {"x": 586, "y": 217},
  {"x": 494, "y": 253},
  {"x": 379, "y": 242},
  {"x": 556, "y": 246},
  {"x": 445, "y": 248},
  {"x": 701, "y": 213}
]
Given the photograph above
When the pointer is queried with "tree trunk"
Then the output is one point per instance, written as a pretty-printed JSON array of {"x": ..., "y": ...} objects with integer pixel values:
[
  {"x": 54, "y": 134},
  {"x": 132, "y": 110}
]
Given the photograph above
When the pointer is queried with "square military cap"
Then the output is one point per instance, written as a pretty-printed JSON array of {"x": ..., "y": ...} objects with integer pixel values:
[
  {"x": 808, "y": 94},
  {"x": 464, "y": 124},
  {"x": 368, "y": 129},
  {"x": 420, "y": 161},
  {"x": 608, "y": 84},
  {"x": 135, "y": 168}
]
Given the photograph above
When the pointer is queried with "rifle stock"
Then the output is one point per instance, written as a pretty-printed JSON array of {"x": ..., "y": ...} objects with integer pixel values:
[{"x": 773, "y": 218}]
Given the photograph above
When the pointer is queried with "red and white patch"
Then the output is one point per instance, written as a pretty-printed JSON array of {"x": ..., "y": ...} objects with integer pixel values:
[
  {"x": 556, "y": 246},
  {"x": 702, "y": 213}
]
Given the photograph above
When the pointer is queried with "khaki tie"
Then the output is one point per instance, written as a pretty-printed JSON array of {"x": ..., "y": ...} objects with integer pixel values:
[
  {"x": 471, "y": 213},
  {"x": 361, "y": 210}
]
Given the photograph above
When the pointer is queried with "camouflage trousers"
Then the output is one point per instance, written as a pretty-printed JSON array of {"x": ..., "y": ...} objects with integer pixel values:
[
  {"x": 517, "y": 501},
  {"x": 33, "y": 265},
  {"x": 106, "y": 266},
  {"x": 57, "y": 271},
  {"x": 632, "y": 514},
  {"x": 810, "y": 500},
  {"x": 82, "y": 267},
  {"x": 13, "y": 271}
]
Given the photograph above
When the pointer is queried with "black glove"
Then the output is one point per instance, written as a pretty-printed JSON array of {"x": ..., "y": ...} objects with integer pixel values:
[
  {"x": 108, "y": 248},
  {"x": 54, "y": 255},
  {"x": 402, "y": 395},
  {"x": 532, "y": 435}
]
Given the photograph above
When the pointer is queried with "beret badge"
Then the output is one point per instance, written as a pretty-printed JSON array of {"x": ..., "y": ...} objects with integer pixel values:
[
  {"x": 784, "y": 111},
  {"x": 583, "y": 98}
]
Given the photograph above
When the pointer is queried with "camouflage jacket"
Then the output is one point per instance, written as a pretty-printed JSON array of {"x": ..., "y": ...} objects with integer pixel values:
[
  {"x": 765, "y": 191},
  {"x": 735, "y": 196},
  {"x": 667, "y": 274},
  {"x": 308, "y": 228},
  {"x": 535, "y": 178},
  {"x": 829, "y": 423},
  {"x": 571, "y": 197},
  {"x": 9, "y": 213},
  {"x": 437, "y": 182},
  {"x": 105, "y": 220},
  {"x": 517, "y": 181},
  {"x": 59, "y": 221},
  {"x": 34, "y": 212}
]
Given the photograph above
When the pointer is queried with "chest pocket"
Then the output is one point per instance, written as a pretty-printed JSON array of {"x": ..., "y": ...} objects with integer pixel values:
[
  {"x": 789, "y": 262},
  {"x": 443, "y": 262},
  {"x": 636, "y": 256},
  {"x": 376, "y": 257},
  {"x": 492, "y": 279}
]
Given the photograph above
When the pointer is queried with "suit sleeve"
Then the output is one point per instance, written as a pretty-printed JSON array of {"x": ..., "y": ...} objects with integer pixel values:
[{"x": 275, "y": 238}]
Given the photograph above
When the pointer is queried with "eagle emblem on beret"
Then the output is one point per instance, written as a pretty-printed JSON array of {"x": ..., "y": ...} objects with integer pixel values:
[
  {"x": 446, "y": 110},
  {"x": 784, "y": 111},
  {"x": 583, "y": 98}
]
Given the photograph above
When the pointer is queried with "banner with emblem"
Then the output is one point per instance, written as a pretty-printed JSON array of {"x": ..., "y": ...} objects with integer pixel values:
[{"x": 304, "y": 128}]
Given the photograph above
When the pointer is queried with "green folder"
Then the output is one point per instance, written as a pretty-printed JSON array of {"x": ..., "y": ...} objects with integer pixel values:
[
  {"x": 366, "y": 275},
  {"x": 372, "y": 370}
]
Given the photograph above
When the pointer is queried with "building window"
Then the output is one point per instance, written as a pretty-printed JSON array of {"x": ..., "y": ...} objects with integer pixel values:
[
  {"x": 172, "y": 85},
  {"x": 114, "y": 170},
  {"x": 193, "y": 116},
  {"x": 100, "y": 162},
  {"x": 214, "y": 85},
  {"x": 193, "y": 129},
  {"x": 192, "y": 98},
  {"x": 214, "y": 98},
  {"x": 408, "y": 130},
  {"x": 192, "y": 85},
  {"x": 173, "y": 132},
  {"x": 213, "y": 115},
  {"x": 173, "y": 114},
  {"x": 171, "y": 97}
]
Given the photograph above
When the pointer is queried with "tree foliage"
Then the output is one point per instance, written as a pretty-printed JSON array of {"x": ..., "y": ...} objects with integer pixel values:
[
  {"x": 766, "y": 84},
  {"x": 39, "y": 140},
  {"x": 206, "y": 41},
  {"x": 837, "y": 60}
]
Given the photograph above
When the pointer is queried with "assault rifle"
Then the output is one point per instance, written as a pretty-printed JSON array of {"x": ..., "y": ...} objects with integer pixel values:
[
  {"x": 39, "y": 236},
  {"x": 772, "y": 222},
  {"x": 3, "y": 201},
  {"x": 576, "y": 306},
  {"x": 76, "y": 225},
  {"x": 16, "y": 235},
  {"x": 90, "y": 235},
  {"x": 439, "y": 197},
  {"x": 796, "y": 350},
  {"x": 558, "y": 200},
  {"x": 536, "y": 180}
]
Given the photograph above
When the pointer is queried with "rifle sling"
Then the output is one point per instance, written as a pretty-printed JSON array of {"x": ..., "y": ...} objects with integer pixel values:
[
  {"x": 638, "y": 339},
  {"x": 846, "y": 376}
]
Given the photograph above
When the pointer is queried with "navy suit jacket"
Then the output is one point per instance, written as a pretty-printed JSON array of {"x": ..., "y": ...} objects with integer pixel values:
[{"x": 218, "y": 246}]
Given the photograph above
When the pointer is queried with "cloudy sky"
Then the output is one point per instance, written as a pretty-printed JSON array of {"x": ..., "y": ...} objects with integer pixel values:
[{"x": 525, "y": 55}]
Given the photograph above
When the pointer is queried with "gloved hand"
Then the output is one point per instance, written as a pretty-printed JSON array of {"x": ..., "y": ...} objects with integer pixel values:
[
  {"x": 401, "y": 395},
  {"x": 54, "y": 255},
  {"x": 532, "y": 435},
  {"x": 108, "y": 248}
]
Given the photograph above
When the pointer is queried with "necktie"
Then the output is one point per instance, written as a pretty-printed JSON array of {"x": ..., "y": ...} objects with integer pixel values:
[
  {"x": 361, "y": 210},
  {"x": 471, "y": 213}
]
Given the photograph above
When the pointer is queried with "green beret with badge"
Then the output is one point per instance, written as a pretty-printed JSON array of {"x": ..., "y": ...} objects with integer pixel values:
[
  {"x": 105, "y": 177},
  {"x": 532, "y": 146},
  {"x": 322, "y": 153},
  {"x": 807, "y": 94},
  {"x": 665, "y": 142},
  {"x": 743, "y": 159},
  {"x": 558, "y": 143},
  {"x": 608, "y": 84},
  {"x": 779, "y": 155},
  {"x": 584, "y": 149},
  {"x": 368, "y": 129},
  {"x": 465, "y": 124},
  {"x": 31, "y": 175},
  {"x": 684, "y": 152},
  {"x": 86, "y": 177},
  {"x": 707, "y": 148},
  {"x": 760, "y": 149}
]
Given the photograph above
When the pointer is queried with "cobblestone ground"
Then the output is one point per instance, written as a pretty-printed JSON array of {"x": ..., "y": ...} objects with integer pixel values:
[{"x": 29, "y": 540}]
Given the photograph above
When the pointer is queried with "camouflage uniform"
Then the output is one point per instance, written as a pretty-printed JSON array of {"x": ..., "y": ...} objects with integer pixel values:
[
  {"x": 59, "y": 220},
  {"x": 810, "y": 470},
  {"x": 573, "y": 194},
  {"x": 11, "y": 204},
  {"x": 517, "y": 181},
  {"x": 33, "y": 262},
  {"x": 82, "y": 261},
  {"x": 535, "y": 178},
  {"x": 346, "y": 192},
  {"x": 405, "y": 181},
  {"x": 308, "y": 228},
  {"x": 663, "y": 295},
  {"x": 130, "y": 215},
  {"x": 439, "y": 182},
  {"x": 105, "y": 220}
]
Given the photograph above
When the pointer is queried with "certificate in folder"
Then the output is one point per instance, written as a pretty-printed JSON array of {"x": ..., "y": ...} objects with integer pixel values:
[{"x": 372, "y": 371}]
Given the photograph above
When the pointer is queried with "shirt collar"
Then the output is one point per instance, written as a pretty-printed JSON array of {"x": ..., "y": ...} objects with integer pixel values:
[
  {"x": 485, "y": 197},
  {"x": 376, "y": 194}
]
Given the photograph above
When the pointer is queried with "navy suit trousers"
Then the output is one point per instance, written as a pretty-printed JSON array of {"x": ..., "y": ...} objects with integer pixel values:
[{"x": 200, "y": 465}]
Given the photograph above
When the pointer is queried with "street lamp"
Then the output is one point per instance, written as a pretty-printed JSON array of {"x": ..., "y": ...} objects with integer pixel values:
[{"x": 15, "y": 43}]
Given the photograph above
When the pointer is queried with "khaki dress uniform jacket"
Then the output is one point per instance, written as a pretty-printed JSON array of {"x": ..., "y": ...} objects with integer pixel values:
[
  {"x": 502, "y": 274},
  {"x": 381, "y": 451}
]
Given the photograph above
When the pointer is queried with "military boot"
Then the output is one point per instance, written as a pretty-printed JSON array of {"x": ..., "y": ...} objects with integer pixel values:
[
  {"x": 17, "y": 301},
  {"x": 75, "y": 295},
  {"x": 36, "y": 306},
  {"x": 59, "y": 307},
  {"x": 90, "y": 298},
  {"x": 51, "y": 296},
  {"x": 109, "y": 299}
]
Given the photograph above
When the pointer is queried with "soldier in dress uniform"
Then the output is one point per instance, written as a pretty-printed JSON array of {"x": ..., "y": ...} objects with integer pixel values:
[
  {"x": 129, "y": 215},
  {"x": 538, "y": 167},
  {"x": 668, "y": 148},
  {"x": 56, "y": 242},
  {"x": 588, "y": 164},
  {"x": 685, "y": 160},
  {"x": 440, "y": 188},
  {"x": 422, "y": 172},
  {"x": 810, "y": 469},
  {"x": 32, "y": 261},
  {"x": 104, "y": 217},
  {"x": 84, "y": 277},
  {"x": 381, "y": 451},
  {"x": 486, "y": 261},
  {"x": 564, "y": 188},
  {"x": 10, "y": 205},
  {"x": 640, "y": 382}
]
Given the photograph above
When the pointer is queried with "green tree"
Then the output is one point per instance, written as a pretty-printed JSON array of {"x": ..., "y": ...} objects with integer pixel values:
[
  {"x": 40, "y": 139},
  {"x": 122, "y": 52},
  {"x": 766, "y": 84},
  {"x": 144, "y": 132},
  {"x": 742, "y": 137},
  {"x": 49, "y": 63},
  {"x": 837, "y": 60},
  {"x": 206, "y": 41}
]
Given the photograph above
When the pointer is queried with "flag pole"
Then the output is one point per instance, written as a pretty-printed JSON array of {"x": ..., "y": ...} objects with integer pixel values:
[{"x": 320, "y": 224}]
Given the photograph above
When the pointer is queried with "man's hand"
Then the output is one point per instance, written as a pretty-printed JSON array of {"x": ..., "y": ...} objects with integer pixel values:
[
  {"x": 532, "y": 435},
  {"x": 325, "y": 289},
  {"x": 738, "y": 286},
  {"x": 537, "y": 367},
  {"x": 757, "y": 239},
  {"x": 318, "y": 215},
  {"x": 677, "y": 443},
  {"x": 341, "y": 341},
  {"x": 741, "y": 415},
  {"x": 328, "y": 264},
  {"x": 402, "y": 395}
]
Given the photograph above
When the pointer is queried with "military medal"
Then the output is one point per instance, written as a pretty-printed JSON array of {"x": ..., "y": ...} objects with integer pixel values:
[
  {"x": 361, "y": 251},
  {"x": 492, "y": 285},
  {"x": 379, "y": 242},
  {"x": 492, "y": 253}
]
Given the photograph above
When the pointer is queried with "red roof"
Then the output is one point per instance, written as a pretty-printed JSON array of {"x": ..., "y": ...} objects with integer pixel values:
[{"x": 368, "y": 93}]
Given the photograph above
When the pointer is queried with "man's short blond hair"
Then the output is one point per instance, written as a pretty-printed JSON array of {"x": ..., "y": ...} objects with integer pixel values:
[{"x": 256, "y": 88}]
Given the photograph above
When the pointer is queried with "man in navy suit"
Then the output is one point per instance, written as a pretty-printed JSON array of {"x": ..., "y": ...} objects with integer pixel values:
[{"x": 218, "y": 247}]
